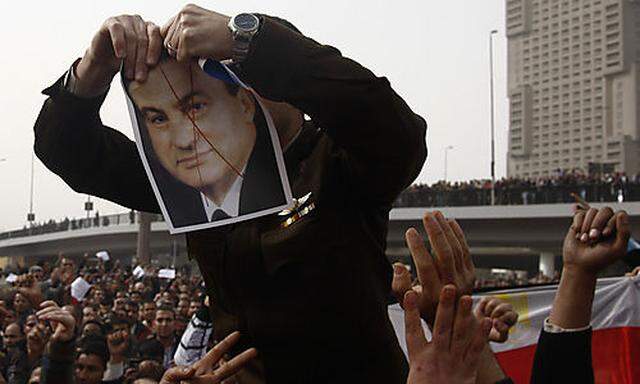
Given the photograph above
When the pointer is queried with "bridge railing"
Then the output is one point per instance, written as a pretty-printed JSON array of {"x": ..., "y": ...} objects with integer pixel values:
[
  {"x": 466, "y": 195},
  {"x": 51, "y": 226},
  {"x": 438, "y": 195}
]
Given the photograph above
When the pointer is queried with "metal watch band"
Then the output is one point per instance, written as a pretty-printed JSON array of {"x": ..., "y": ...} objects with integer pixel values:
[
  {"x": 241, "y": 41},
  {"x": 240, "y": 50}
]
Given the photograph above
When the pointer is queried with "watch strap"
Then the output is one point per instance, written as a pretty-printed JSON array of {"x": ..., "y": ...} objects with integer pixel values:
[{"x": 242, "y": 41}]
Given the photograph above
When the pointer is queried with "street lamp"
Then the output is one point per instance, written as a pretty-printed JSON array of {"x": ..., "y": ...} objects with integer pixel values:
[
  {"x": 493, "y": 122},
  {"x": 446, "y": 153},
  {"x": 88, "y": 206},
  {"x": 31, "y": 217}
]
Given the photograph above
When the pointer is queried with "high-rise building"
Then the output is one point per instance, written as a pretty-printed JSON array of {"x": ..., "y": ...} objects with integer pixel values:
[{"x": 574, "y": 86}]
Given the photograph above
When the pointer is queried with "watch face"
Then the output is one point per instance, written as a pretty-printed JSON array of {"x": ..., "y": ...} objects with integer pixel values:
[{"x": 246, "y": 21}]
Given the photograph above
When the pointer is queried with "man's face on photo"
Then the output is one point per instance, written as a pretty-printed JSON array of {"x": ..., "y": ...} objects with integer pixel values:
[{"x": 225, "y": 120}]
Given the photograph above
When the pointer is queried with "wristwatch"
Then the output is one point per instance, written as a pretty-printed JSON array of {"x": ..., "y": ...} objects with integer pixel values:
[{"x": 244, "y": 27}]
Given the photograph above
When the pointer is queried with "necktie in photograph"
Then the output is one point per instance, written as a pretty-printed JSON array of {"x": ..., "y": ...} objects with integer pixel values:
[{"x": 219, "y": 214}]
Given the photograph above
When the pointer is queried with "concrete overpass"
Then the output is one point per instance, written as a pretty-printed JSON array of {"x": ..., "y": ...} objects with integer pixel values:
[{"x": 519, "y": 237}]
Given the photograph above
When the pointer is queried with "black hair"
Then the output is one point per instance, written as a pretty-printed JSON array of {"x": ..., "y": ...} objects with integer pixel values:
[
  {"x": 151, "y": 349},
  {"x": 103, "y": 329},
  {"x": 20, "y": 326},
  {"x": 94, "y": 345},
  {"x": 116, "y": 320},
  {"x": 166, "y": 308}
]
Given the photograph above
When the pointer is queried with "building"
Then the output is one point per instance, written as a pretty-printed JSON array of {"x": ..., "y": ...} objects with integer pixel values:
[{"x": 573, "y": 85}]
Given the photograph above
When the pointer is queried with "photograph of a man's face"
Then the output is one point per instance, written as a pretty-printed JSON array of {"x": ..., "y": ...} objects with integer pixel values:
[{"x": 210, "y": 149}]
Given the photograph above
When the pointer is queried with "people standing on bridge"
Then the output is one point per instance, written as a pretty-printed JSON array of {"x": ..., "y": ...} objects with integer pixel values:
[{"x": 362, "y": 147}]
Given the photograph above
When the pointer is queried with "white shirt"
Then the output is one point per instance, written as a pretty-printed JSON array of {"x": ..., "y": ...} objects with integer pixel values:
[{"x": 231, "y": 203}]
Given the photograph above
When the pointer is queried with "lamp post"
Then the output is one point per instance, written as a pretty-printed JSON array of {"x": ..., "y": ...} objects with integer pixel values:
[
  {"x": 31, "y": 216},
  {"x": 446, "y": 158},
  {"x": 88, "y": 206},
  {"x": 493, "y": 122}
]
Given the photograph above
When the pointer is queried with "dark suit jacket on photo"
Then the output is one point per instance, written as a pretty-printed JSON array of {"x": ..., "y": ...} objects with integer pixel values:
[{"x": 312, "y": 296}]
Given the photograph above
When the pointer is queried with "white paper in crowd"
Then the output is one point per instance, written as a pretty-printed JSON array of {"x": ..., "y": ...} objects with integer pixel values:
[
  {"x": 103, "y": 255},
  {"x": 138, "y": 272},
  {"x": 225, "y": 164},
  {"x": 79, "y": 288},
  {"x": 167, "y": 273},
  {"x": 11, "y": 278}
]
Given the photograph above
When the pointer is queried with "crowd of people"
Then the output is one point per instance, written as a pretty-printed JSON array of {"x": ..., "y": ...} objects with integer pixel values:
[
  {"x": 126, "y": 326},
  {"x": 512, "y": 280},
  {"x": 560, "y": 188},
  {"x": 140, "y": 325}
]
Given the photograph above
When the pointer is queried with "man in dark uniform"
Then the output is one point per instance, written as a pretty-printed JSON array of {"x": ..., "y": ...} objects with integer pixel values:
[{"x": 309, "y": 290}]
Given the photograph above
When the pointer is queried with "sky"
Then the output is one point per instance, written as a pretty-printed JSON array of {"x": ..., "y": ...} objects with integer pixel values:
[{"x": 434, "y": 53}]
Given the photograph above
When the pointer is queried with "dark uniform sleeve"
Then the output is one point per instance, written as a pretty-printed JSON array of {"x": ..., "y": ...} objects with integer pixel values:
[
  {"x": 383, "y": 139},
  {"x": 563, "y": 355},
  {"x": 92, "y": 158}
]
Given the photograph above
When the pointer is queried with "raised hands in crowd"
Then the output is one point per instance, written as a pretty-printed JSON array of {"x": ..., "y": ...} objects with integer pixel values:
[
  {"x": 62, "y": 322},
  {"x": 501, "y": 314},
  {"x": 439, "y": 296},
  {"x": 634, "y": 272},
  {"x": 211, "y": 369},
  {"x": 596, "y": 239},
  {"x": 459, "y": 338},
  {"x": 451, "y": 265}
]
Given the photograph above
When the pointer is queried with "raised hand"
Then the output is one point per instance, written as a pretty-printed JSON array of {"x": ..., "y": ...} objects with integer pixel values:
[
  {"x": 62, "y": 322},
  {"x": 177, "y": 375},
  {"x": 452, "y": 263},
  {"x": 197, "y": 32},
  {"x": 595, "y": 240},
  {"x": 125, "y": 38},
  {"x": 502, "y": 316},
  {"x": 607, "y": 236},
  {"x": 118, "y": 343},
  {"x": 453, "y": 355},
  {"x": 208, "y": 369},
  {"x": 635, "y": 272}
]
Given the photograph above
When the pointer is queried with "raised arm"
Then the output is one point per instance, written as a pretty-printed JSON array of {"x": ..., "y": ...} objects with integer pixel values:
[
  {"x": 57, "y": 364},
  {"x": 383, "y": 140},
  {"x": 595, "y": 240},
  {"x": 70, "y": 138}
]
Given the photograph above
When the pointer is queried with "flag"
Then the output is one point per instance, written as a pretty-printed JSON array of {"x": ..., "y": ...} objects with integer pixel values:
[{"x": 615, "y": 321}]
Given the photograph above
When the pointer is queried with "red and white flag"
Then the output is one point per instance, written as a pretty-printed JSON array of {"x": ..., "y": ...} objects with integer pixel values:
[{"x": 615, "y": 321}]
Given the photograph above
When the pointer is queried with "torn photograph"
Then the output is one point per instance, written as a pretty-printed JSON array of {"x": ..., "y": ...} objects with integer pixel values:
[{"x": 208, "y": 145}]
